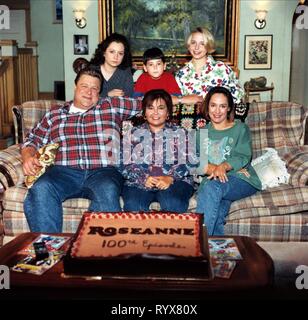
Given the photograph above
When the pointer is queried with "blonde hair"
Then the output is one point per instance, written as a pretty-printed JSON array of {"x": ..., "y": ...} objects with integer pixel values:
[{"x": 208, "y": 38}]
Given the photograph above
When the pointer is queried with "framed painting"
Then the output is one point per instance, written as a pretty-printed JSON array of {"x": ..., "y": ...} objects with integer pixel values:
[
  {"x": 167, "y": 23},
  {"x": 258, "y": 52},
  {"x": 57, "y": 11}
]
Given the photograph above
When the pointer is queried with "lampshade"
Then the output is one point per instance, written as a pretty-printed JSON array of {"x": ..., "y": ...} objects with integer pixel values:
[{"x": 261, "y": 14}]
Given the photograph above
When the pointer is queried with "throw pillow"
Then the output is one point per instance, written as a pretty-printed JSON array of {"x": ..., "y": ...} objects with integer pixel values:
[
  {"x": 46, "y": 156},
  {"x": 270, "y": 169}
]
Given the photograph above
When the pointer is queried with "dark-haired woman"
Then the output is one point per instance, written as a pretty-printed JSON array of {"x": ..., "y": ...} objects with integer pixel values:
[
  {"x": 160, "y": 172},
  {"x": 229, "y": 174},
  {"x": 113, "y": 59}
]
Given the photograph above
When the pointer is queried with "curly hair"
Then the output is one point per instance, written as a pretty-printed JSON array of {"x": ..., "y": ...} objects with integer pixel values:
[{"x": 98, "y": 57}]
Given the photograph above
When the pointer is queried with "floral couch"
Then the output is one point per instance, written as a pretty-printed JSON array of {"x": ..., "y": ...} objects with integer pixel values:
[{"x": 275, "y": 214}]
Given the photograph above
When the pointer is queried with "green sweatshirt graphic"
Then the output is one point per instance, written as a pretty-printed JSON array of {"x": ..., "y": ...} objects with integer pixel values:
[{"x": 232, "y": 145}]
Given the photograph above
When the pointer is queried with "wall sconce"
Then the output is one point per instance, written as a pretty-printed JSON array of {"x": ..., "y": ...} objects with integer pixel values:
[
  {"x": 80, "y": 20},
  {"x": 260, "y": 22}
]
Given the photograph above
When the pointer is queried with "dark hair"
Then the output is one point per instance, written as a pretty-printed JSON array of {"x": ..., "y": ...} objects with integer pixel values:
[
  {"x": 98, "y": 57},
  {"x": 80, "y": 63},
  {"x": 90, "y": 71},
  {"x": 226, "y": 93},
  {"x": 156, "y": 94},
  {"x": 153, "y": 53}
]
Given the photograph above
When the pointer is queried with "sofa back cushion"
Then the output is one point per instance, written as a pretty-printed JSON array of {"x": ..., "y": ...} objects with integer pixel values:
[
  {"x": 28, "y": 114},
  {"x": 278, "y": 125},
  {"x": 273, "y": 124}
]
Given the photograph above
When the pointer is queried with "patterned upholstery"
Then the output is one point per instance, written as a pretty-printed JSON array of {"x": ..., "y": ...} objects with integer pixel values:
[
  {"x": 29, "y": 114},
  {"x": 277, "y": 214}
]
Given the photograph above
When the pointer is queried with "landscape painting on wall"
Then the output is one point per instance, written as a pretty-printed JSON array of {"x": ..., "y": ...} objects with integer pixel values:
[{"x": 167, "y": 23}]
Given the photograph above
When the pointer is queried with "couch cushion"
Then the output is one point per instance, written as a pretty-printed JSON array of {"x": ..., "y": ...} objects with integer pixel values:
[
  {"x": 281, "y": 200},
  {"x": 13, "y": 200},
  {"x": 270, "y": 169},
  {"x": 14, "y": 223},
  {"x": 290, "y": 227},
  {"x": 15, "y": 220},
  {"x": 276, "y": 125},
  {"x": 11, "y": 167}
]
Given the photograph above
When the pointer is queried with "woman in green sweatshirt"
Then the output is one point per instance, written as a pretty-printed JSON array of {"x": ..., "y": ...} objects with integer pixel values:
[{"x": 229, "y": 175}]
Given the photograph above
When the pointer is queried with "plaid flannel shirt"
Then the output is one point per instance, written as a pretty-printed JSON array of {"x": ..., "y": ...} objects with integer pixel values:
[{"x": 87, "y": 140}]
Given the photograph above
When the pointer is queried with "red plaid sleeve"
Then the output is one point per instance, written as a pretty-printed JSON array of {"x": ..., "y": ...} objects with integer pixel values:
[{"x": 126, "y": 107}]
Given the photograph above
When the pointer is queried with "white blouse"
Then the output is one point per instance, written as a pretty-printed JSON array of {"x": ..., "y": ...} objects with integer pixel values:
[{"x": 214, "y": 73}]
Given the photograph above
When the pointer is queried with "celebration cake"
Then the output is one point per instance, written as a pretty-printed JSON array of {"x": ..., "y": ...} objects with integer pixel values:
[{"x": 129, "y": 244}]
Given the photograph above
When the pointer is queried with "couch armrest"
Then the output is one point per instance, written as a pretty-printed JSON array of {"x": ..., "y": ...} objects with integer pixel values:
[
  {"x": 11, "y": 172},
  {"x": 297, "y": 164},
  {"x": 18, "y": 125}
]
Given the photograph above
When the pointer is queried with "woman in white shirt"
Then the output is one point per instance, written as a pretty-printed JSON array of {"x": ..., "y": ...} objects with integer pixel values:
[{"x": 202, "y": 72}]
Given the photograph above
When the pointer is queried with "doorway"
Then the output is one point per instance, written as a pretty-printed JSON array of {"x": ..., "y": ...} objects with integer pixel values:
[{"x": 299, "y": 56}]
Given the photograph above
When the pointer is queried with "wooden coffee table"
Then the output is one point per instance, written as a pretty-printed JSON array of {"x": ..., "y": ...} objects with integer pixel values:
[{"x": 253, "y": 274}]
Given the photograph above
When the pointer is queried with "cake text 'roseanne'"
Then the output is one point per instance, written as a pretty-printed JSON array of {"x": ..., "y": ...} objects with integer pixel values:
[{"x": 111, "y": 231}]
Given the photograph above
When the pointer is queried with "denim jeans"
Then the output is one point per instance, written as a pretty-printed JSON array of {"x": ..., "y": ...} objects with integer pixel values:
[
  {"x": 175, "y": 198},
  {"x": 43, "y": 204},
  {"x": 214, "y": 200}
]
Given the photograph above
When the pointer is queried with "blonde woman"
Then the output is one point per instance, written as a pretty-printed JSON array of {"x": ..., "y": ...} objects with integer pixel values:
[{"x": 202, "y": 72}]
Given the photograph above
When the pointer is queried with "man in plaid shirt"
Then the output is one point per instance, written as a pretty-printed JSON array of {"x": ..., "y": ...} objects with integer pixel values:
[{"x": 88, "y": 132}]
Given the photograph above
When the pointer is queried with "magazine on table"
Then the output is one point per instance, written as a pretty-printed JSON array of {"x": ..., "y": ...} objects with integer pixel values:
[
  {"x": 224, "y": 255},
  {"x": 53, "y": 243},
  {"x": 224, "y": 249},
  {"x": 223, "y": 268},
  {"x": 41, "y": 254}
]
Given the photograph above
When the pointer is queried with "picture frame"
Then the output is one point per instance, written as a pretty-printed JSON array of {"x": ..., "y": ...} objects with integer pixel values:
[
  {"x": 57, "y": 11},
  {"x": 258, "y": 52},
  {"x": 146, "y": 27},
  {"x": 81, "y": 44}
]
